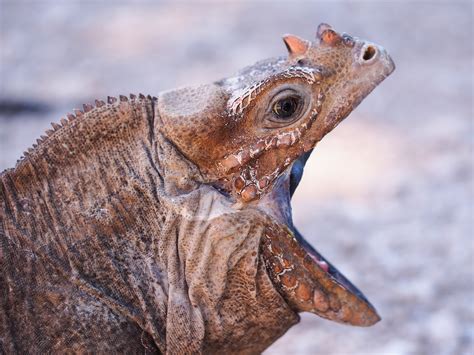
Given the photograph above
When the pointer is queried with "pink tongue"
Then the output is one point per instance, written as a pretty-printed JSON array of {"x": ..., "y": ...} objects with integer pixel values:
[{"x": 322, "y": 264}]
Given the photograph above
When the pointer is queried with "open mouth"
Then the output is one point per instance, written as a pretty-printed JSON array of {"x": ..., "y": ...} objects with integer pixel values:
[
  {"x": 329, "y": 268},
  {"x": 306, "y": 280}
]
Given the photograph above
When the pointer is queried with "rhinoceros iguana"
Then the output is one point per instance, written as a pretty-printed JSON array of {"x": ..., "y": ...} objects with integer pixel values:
[{"x": 163, "y": 224}]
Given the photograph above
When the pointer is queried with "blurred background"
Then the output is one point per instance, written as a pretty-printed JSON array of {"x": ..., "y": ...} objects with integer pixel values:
[{"x": 387, "y": 197}]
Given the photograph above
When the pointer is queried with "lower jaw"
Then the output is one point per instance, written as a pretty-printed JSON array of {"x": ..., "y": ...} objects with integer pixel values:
[{"x": 309, "y": 283}]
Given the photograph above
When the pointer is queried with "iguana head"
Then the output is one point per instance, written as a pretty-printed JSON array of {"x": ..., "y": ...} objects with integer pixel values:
[{"x": 251, "y": 134}]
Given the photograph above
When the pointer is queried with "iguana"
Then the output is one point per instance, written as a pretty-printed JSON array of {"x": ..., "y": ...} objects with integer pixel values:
[{"x": 163, "y": 224}]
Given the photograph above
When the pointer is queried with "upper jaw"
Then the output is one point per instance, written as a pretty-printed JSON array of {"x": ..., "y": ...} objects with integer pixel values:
[{"x": 306, "y": 280}]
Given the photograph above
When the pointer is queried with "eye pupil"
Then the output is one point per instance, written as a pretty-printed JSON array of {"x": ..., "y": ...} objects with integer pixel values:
[{"x": 286, "y": 107}]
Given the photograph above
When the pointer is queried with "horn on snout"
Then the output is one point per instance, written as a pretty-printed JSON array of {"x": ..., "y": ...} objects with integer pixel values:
[
  {"x": 296, "y": 46},
  {"x": 327, "y": 35}
]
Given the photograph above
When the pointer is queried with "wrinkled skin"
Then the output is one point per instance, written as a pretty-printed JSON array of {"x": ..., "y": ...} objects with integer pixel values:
[{"x": 163, "y": 225}]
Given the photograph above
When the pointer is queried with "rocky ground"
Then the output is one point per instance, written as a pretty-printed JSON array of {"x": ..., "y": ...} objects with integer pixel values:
[{"x": 387, "y": 197}]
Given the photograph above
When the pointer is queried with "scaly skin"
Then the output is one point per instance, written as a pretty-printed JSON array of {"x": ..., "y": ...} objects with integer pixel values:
[{"x": 163, "y": 225}]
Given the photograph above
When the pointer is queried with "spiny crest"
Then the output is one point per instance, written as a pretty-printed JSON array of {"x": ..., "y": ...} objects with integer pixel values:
[
  {"x": 87, "y": 107},
  {"x": 99, "y": 103},
  {"x": 79, "y": 114},
  {"x": 111, "y": 100}
]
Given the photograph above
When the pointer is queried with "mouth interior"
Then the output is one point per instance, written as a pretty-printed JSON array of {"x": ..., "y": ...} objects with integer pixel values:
[
  {"x": 326, "y": 266},
  {"x": 295, "y": 177}
]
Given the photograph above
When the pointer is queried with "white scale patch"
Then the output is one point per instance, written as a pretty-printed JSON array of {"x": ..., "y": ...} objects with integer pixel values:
[{"x": 242, "y": 98}]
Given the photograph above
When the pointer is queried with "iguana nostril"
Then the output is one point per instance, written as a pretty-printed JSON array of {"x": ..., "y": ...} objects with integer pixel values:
[{"x": 369, "y": 53}]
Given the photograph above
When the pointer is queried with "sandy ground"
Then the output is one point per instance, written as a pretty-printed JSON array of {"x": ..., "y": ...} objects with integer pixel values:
[{"x": 387, "y": 197}]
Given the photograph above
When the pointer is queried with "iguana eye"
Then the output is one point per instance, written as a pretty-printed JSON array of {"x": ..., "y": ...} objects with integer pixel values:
[
  {"x": 286, "y": 105},
  {"x": 285, "y": 108}
]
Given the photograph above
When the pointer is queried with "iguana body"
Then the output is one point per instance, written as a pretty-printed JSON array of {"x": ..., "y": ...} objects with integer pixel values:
[{"x": 163, "y": 224}]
